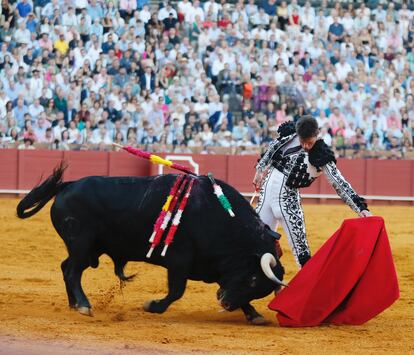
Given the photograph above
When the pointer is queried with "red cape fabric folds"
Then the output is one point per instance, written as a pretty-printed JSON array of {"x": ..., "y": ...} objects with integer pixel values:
[{"x": 350, "y": 280}]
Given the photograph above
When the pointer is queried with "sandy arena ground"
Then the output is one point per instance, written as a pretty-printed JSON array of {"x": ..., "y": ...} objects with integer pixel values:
[{"x": 35, "y": 319}]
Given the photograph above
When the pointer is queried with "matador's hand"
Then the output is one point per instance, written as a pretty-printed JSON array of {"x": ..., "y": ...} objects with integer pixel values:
[
  {"x": 257, "y": 181},
  {"x": 365, "y": 213}
]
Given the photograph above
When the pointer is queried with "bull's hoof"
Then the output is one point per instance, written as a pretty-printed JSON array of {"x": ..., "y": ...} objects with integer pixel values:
[
  {"x": 259, "y": 320},
  {"x": 147, "y": 306},
  {"x": 86, "y": 311},
  {"x": 154, "y": 306}
]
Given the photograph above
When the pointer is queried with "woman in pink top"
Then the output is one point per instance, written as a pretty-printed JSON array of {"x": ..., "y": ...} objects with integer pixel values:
[
  {"x": 395, "y": 41},
  {"x": 45, "y": 42},
  {"x": 393, "y": 120},
  {"x": 337, "y": 120},
  {"x": 281, "y": 114}
]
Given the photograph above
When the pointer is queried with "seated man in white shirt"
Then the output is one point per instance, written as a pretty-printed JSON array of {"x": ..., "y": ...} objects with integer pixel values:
[
  {"x": 35, "y": 109},
  {"x": 40, "y": 126},
  {"x": 342, "y": 69},
  {"x": 260, "y": 18},
  {"x": 100, "y": 134}
]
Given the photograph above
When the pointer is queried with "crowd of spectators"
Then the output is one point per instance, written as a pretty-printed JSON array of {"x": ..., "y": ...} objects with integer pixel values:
[{"x": 193, "y": 76}]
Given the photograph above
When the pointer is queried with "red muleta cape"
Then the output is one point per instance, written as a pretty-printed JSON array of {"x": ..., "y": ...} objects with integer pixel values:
[{"x": 350, "y": 279}]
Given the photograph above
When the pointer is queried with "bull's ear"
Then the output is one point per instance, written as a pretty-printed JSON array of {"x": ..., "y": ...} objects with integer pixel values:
[{"x": 273, "y": 234}]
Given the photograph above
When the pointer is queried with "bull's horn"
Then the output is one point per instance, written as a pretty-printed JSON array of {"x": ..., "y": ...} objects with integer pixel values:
[{"x": 268, "y": 261}]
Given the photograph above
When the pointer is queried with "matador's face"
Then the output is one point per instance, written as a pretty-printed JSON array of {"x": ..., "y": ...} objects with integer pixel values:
[{"x": 308, "y": 143}]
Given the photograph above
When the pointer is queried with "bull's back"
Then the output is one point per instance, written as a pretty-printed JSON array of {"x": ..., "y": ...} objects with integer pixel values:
[
  {"x": 102, "y": 203},
  {"x": 112, "y": 199},
  {"x": 121, "y": 212}
]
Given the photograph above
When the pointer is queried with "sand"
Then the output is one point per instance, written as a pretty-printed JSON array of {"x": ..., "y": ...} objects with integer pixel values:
[{"x": 34, "y": 317}]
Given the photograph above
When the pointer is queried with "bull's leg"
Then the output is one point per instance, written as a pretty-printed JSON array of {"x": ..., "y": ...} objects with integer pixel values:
[
  {"x": 73, "y": 275},
  {"x": 71, "y": 297},
  {"x": 252, "y": 315},
  {"x": 119, "y": 270},
  {"x": 79, "y": 242},
  {"x": 177, "y": 280}
]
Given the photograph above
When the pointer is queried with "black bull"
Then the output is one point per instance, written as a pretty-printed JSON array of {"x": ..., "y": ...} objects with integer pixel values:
[{"x": 116, "y": 215}]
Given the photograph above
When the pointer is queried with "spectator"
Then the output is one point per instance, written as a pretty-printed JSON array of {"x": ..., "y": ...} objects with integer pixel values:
[
  {"x": 281, "y": 114},
  {"x": 147, "y": 79},
  {"x": 111, "y": 61},
  {"x": 270, "y": 7},
  {"x": 40, "y": 127},
  {"x": 166, "y": 12},
  {"x": 22, "y": 34},
  {"x": 69, "y": 18},
  {"x": 61, "y": 45},
  {"x": 127, "y": 8},
  {"x": 220, "y": 117},
  {"x": 101, "y": 134},
  {"x": 35, "y": 109},
  {"x": 336, "y": 31},
  {"x": 240, "y": 130},
  {"x": 26, "y": 145},
  {"x": 342, "y": 69},
  {"x": 31, "y": 23},
  {"x": 60, "y": 101},
  {"x": 95, "y": 10},
  {"x": 24, "y": 8},
  {"x": 20, "y": 111},
  {"x": 170, "y": 22},
  {"x": 45, "y": 42}
]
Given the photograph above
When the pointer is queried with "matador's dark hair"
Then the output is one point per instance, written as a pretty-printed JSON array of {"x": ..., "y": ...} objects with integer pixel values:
[{"x": 307, "y": 127}]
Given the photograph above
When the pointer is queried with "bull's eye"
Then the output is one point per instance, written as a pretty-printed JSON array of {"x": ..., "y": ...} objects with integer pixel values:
[{"x": 252, "y": 281}]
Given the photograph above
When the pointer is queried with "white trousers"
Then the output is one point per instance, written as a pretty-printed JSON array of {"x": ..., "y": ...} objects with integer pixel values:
[{"x": 279, "y": 203}]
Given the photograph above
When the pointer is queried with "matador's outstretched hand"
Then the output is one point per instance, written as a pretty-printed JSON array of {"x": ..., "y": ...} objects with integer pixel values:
[{"x": 365, "y": 213}]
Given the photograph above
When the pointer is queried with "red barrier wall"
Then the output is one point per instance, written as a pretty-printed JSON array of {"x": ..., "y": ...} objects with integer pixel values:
[{"x": 23, "y": 169}]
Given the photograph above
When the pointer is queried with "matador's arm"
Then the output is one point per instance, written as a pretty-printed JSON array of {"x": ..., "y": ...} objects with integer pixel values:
[{"x": 344, "y": 189}]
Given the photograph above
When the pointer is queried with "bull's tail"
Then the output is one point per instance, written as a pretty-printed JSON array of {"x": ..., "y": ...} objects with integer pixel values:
[{"x": 35, "y": 200}]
